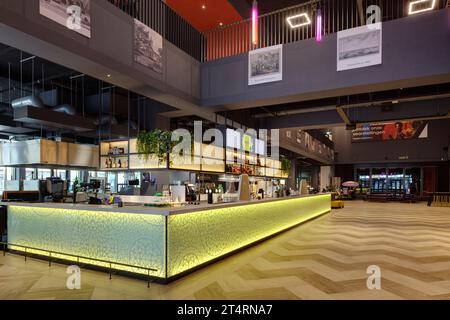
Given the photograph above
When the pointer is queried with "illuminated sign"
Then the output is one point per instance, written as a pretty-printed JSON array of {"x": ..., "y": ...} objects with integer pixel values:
[
  {"x": 299, "y": 20},
  {"x": 421, "y": 6}
]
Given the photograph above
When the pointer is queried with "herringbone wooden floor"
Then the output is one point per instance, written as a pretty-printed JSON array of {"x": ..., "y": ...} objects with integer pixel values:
[{"x": 323, "y": 259}]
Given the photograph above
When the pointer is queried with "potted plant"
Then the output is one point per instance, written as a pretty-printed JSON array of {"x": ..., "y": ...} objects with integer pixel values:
[
  {"x": 286, "y": 165},
  {"x": 156, "y": 143}
]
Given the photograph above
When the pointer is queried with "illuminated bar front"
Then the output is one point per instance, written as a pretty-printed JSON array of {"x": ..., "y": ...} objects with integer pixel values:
[{"x": 170, "y": 241}]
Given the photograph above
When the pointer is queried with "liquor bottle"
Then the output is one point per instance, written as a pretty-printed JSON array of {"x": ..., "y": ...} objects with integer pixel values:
[
  {"x": 107, "y": 163},
  {"x": 115, "y": 163},
  {"x": 120, "y": 163}
]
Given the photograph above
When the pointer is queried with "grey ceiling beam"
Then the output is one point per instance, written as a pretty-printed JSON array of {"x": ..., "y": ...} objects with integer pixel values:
[{"x": 343, "y": 115}]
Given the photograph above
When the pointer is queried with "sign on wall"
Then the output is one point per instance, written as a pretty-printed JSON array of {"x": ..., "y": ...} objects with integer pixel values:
[
  {"x": 401, "y": 130},
  {"x": 359, "y": 47},
  {"x": 74, "y": 14},
  {"x": 148, "y": 47},
  {"x": 265, "y": 65}
]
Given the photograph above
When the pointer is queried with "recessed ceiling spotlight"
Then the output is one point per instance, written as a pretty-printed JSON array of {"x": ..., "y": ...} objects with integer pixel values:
[
  {"x": 419, "y": 6},
  {"x": 108, "y": 75},
  {"x": 203, "y": 6},
  {"x": 299, "y": 20},
  {"x": 220, "y": 24}
]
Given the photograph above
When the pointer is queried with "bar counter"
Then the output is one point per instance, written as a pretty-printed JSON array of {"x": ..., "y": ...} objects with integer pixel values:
[{"x": 172, "y": 241}]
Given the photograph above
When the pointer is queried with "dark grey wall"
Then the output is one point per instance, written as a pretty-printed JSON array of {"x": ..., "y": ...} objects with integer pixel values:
[
  {"x": 108, "y": 51},
  {"x": 417, "y": 150},
  {"x": 416, "y": 51}
]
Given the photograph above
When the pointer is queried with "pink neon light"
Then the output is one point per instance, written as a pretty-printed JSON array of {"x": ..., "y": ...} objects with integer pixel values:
[
  {"x": 255, "y": 23},
  {"x": 319, "y": 24}
]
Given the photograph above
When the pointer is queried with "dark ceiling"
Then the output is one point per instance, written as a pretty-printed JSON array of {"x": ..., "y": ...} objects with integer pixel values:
[{"x": 56, "y": 85}]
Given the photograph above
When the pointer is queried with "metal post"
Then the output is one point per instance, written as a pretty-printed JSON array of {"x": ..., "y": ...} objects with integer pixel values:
[
  {"x": 4, "y": 249},
  {"x": 148, "y": 282},
  {"x": 50, "y": 259},
  {"x": 25, "y": 254},
  {"x": 110, "y": 271}
]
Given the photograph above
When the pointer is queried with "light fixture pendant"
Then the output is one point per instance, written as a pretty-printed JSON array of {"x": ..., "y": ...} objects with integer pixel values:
[
  {"x": 319, "y": 25},
  {"x": 255, "y": 26}
]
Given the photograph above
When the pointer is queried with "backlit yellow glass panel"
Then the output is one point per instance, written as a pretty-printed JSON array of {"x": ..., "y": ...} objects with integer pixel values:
[
  {"x": 133, "y": 239},
  {"x": 199, "y": 237}
]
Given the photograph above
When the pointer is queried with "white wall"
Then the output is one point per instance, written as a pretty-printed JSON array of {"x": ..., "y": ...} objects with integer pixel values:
[{"x": 326, "y": 173}]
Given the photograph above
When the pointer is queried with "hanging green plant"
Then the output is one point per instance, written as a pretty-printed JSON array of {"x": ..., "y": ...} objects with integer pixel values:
[
  {"x": 286, "y": 165},
  {"x": 156, "y": 143}
]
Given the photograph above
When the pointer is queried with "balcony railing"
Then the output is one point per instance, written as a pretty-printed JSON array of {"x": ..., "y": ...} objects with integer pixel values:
[
  {"x": 235, "y": 38},
  {"x": 164, "y": 20},
  {"x": 273, "y": 28}
]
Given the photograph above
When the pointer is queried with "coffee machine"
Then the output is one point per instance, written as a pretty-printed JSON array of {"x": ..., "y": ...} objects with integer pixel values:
[{"x": 191, "y": 194}]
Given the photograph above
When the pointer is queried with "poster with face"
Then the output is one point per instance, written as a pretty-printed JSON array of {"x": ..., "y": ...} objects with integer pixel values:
[{"x": 400, "y": 130}]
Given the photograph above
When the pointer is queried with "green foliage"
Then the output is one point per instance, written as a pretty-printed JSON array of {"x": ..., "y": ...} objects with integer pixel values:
[
  {"x": 286, "y": 165},
  {"x": 154, "y": 143}
]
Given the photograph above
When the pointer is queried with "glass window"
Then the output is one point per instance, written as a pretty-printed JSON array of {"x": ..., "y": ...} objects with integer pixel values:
[
  {"x": 112, "y": 182},
  {"x": 379, "y": 180},
  {"x": 412, "y": 181},
  {"x": 121, "y": 178},
  {"x": 101, "y": 174},
  {"x": 44, "y": 174},
  {"x": 10, "y": 173},
  {"x": 74, "y": 174},
  {"x": 62, "y": 174},
  {"x": 363, "y": 178},
  {"x": 2, "y": 179},
  {"x": 396, "y": 180},
  {"x": 30, "y": 174}
]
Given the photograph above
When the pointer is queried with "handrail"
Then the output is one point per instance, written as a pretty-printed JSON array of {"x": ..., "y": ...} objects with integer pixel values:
[
  {"x": 234, "y": 38},
  {"x": 338, "y": 15},
  {"x": 164, "y": 20},
  {"x": 78, "y": 257}
]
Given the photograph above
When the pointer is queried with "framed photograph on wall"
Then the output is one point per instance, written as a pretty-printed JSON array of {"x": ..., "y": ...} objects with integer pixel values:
[
  {"x": 265, "y": 65},
  {"x": 148, "y": 47},
  {"x": 75, "y": 15},
  {"x": 359, "y": 47}
]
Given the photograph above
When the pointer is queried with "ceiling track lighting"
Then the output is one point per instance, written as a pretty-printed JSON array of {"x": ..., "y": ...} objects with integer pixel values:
[
  {"x": 419, "y": 6},
  {"x": 303, "y": 18}
]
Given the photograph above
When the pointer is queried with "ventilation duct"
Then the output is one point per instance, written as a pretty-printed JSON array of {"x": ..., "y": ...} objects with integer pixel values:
[
  {"x": 133, "y": 125},
  {"x": 106, "y": 119},
  {"x": 30, "y": 101},
  {"x": 66, "y": 108}
]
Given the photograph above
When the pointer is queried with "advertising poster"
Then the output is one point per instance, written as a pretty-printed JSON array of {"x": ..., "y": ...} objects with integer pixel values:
[
  {"x": 265, "y": 65},
  {"x": 359, "y": 47},
  {"x": 401, "y": 130},
  {"x": 148, "y": 47},
  {"x": 73, "y": 14}
]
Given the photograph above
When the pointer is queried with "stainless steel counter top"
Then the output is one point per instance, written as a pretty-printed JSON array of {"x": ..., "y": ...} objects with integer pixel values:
[{"x": 141, "y": 209}]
